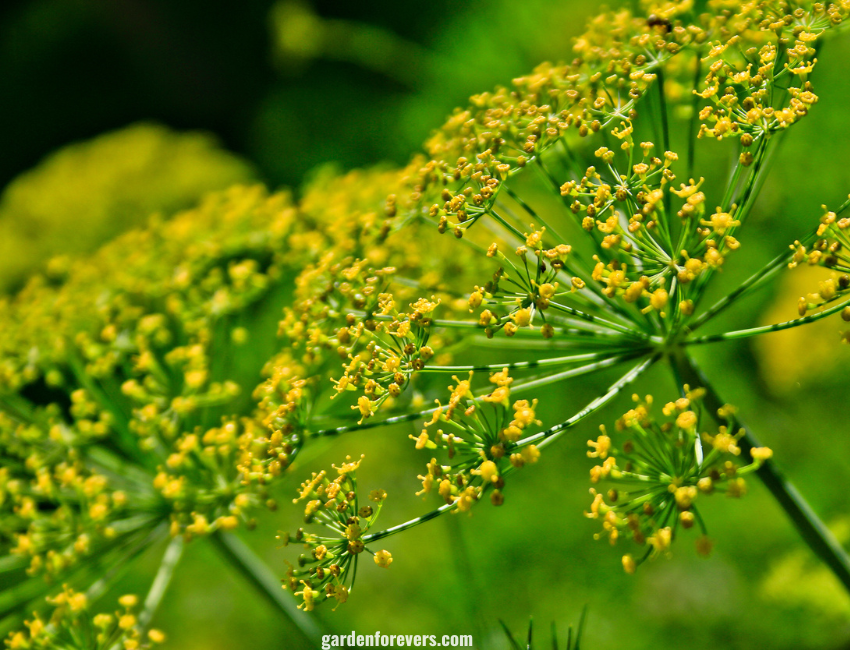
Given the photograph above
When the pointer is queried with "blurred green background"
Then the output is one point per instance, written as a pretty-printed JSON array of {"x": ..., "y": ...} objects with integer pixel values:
[{"x": 276, "y": 89}]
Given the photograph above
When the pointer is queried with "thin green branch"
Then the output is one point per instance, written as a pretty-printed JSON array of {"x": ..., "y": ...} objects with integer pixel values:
[
  {"x": 374, "y": 537},
  {"x": 565, "y": 339},
  {"x": 574, "y": 372},
  {"x": 474, "y": 325},
  {"x": 533, "y": 213},
  {"x": 524, "y": 365},
  {"x": 693, "y": 123},
  {"x": 125, "y": 439},
  {"x": 515, "y": 388},
  {"x": 549, "y": 436},
  {"x": 766, "y": 329},
  {"x": 590, "y": 318},
  {"x": 115, "y": 567}
]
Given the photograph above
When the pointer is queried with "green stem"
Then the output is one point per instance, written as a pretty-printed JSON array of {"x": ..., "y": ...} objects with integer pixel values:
[
  {"x": 766, "y": 329},
  {"x": 590, "y": 318},
  {"x": 693, "y": 124},
  {"x": 515, "y": 388},
  {"x": 474, "y": 325},
  {"x": 374, "y": 537},
  {"x": 549, "y": 436},
  {"x": 117, "y": 566},
  {"x": 532, "y": 213},
  {"x": 813, "y": 531},
  {"x": 662, "y": 103},
  {"x": 240, "y": 556},
  {"x": 526, "y": 365}
]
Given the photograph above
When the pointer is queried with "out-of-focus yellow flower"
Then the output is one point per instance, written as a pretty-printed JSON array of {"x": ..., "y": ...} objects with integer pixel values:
[
  {"x": 88, "y": 192},
  {"x": 800, "y": 355}
]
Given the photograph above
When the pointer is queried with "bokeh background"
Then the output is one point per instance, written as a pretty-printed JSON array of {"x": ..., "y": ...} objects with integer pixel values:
[{"x": 113, "y": 110}]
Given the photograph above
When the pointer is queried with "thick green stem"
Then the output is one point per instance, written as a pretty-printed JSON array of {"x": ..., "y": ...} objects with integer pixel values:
[
  {"x": 811, "y": 528},
  {"x": 240, "y": 556}
]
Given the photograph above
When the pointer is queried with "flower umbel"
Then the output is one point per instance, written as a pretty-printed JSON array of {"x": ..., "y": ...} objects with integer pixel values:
[
  {"x": 658, "y": 468},
  {"x": 328, "y": 567}
]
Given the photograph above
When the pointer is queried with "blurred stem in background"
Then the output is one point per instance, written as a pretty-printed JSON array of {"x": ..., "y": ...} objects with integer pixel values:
[
  {"x": 248, "y": 564},
  {"x": 300, "y": 35}
]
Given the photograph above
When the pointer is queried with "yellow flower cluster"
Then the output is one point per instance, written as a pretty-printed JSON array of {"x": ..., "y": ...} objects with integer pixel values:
[
  {"x": 483, "y": 436},
  {"x": 761, "y": 45},
  {"x": 657, "y": 468},
  {"x": 120, "y": 405},
  {"x": 58, "y": 508},
  {"x": 328, "y": 567},
  {"x": 71, "y": 625},
  {"x": 829, "y": 250},
  {"x": 754, "y": 52}
]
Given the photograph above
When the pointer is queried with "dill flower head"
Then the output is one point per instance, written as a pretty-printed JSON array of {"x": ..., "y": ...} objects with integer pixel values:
[
  {"x": 561, "y": 219},
  {"x": 576, "y": 229},
  {"x": 482, "y": 434},
  {"x": 656, "y": 469},
  {"x": 88, "y": 192},
  {"x": 328, "y": 567},
  {"x": 125, "y": 386}
]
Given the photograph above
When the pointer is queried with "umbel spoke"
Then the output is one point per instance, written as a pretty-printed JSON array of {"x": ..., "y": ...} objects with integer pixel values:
[
  {"x": 549, "y": 436},
  {"x": 518, "y": 387},
  {"x": 766, "y": 329}
]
